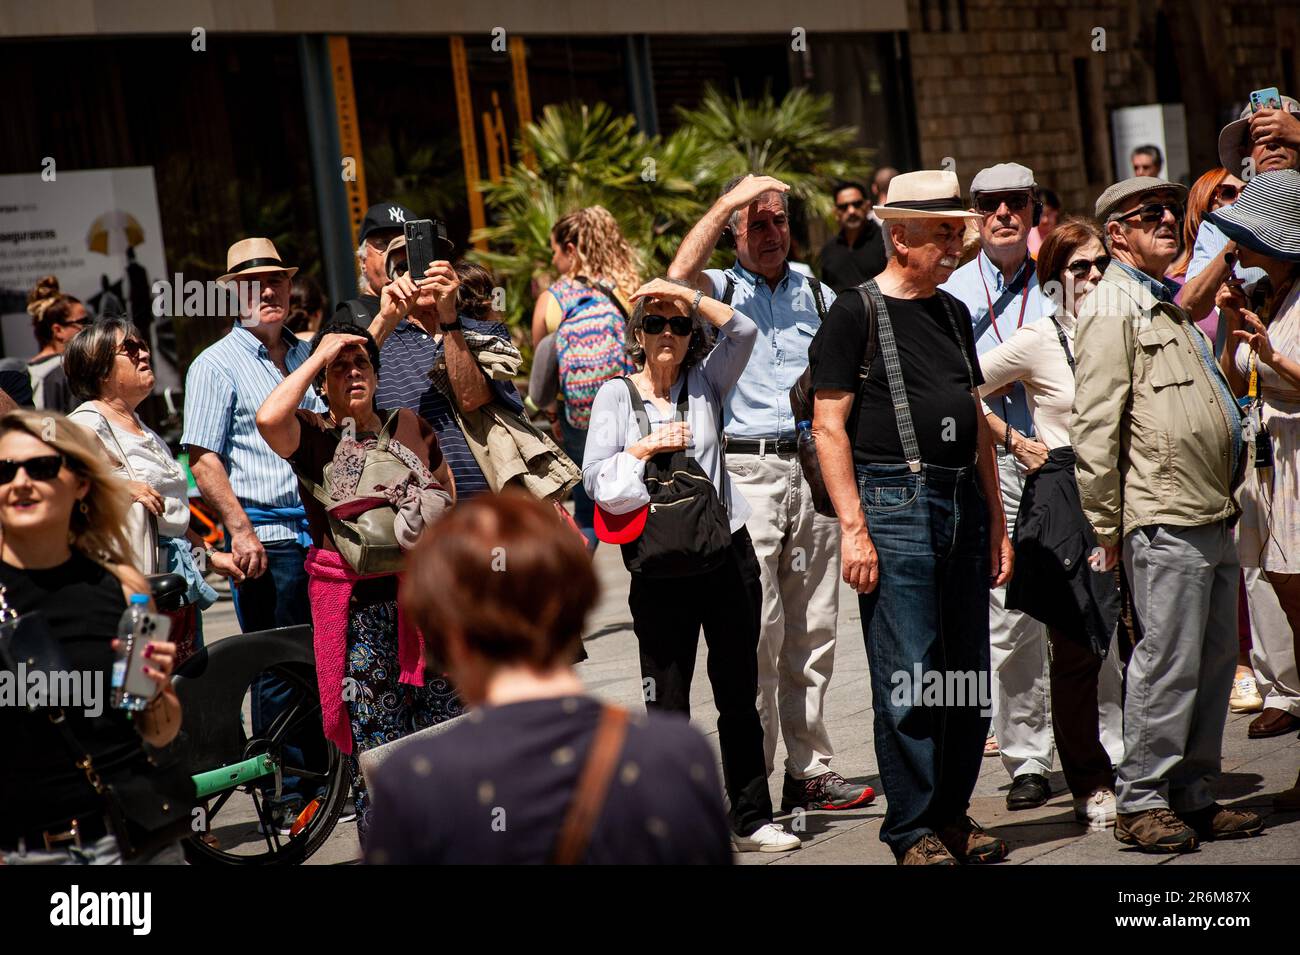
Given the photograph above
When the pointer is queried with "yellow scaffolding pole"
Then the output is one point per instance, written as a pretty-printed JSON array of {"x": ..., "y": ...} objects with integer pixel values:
[
  {"x": 468, "y": 140},
  {"x": 523, "y": 96},
  {"x": 345, "y": 108}
]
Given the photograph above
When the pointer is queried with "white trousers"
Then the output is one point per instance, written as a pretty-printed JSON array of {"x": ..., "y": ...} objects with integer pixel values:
[
  {"x": 1018, "y": 657},
  {"x": 1272, "y": 645},
  {"x": 799, "y": 560}
]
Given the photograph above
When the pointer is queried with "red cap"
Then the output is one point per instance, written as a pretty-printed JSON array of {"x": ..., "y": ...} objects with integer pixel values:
[{"x": 620, "y": 528}]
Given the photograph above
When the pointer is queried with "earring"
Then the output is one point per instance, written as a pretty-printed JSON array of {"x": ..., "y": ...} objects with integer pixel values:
[{"x": 85, "y": 510}]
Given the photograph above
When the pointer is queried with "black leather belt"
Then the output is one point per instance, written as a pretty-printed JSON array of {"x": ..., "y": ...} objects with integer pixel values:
[
  {"x": 762, "y": 445},
  {"x": 75, "y": 833}
]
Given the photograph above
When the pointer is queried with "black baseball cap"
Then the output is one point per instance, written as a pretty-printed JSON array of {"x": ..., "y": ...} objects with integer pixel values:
[{"x": 384, "y": 216}]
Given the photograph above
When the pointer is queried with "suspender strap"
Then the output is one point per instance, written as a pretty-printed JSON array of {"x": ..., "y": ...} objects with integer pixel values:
[{"x": 872, "y": 298}]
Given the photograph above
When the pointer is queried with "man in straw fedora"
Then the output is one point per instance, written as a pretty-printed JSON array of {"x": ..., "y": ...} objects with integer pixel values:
[
  {"x": 1159, "y": 444},
  {"x": 908, "y": 460},
  {"x": 253, "y": 487}
]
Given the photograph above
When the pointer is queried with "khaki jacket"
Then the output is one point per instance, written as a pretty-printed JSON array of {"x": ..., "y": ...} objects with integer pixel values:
[{"x": 1150, "y": 429}]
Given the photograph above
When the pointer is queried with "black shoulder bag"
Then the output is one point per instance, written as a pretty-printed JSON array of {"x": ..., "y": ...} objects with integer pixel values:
[{"x": 687, "y": 531}]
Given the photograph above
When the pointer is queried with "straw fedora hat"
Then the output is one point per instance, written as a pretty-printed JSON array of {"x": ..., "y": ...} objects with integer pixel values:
[
  {"x": 252, "y": 257},
  {"x": 929, "y": 193}
]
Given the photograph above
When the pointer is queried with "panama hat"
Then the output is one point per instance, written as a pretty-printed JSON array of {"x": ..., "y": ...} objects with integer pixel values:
[
  {"x": 1266, "y": 216},
  {"x": 1234, "y": 139},
  {"x": 253, "y": 257},
  {"x": 928, "y": 193}
]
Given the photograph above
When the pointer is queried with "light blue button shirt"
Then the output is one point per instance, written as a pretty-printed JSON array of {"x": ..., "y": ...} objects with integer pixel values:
[
  {"x": 975, "y": 284},
  {"x": 1210, "y": 241},
  {"x": 225, "y": 386},
  {"x": 787, "y": 319}
]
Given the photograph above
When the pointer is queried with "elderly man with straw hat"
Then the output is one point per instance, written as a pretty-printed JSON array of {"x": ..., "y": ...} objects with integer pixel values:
[
  {"x": 253, "y": 487},
  {"x": 907, "y": 458},
  {"x": 1158, "y": 438}
]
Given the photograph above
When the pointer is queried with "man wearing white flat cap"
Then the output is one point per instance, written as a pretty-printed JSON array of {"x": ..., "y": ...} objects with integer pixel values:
[{"x": 908, "y": 461}]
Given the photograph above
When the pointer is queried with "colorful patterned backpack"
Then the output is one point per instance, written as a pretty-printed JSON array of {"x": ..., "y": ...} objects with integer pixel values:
[{"x": 588, "y": 344}]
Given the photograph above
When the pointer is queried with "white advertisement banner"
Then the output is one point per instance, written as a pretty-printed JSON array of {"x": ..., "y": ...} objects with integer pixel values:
[{"x": 98, "y": 232}]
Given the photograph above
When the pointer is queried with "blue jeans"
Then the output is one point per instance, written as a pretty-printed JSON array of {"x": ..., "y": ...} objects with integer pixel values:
[
  {"x": 930, "y": 608},
  {"x": 276, "y": 599},
  {"x": 584, "y": 508}
]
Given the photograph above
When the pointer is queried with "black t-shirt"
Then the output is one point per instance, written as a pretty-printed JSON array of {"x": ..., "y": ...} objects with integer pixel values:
[
  {"x": 845, "y": 266},
  {"x": 938, "y": 387},
  {"x": 81, "y": 603},
  {"x": 495, "y": 789}
]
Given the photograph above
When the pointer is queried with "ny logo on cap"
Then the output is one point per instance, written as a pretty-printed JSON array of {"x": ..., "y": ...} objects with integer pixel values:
[{"x": 396, "y": 214}]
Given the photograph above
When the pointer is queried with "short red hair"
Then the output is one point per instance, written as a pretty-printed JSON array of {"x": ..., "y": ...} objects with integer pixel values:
[{"x": 505, "y": 572}]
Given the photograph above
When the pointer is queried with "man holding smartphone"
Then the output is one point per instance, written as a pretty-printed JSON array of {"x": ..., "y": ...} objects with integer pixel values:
[
  {"x": 383, "y": 223},
  {"x": 418, "y": 325}
]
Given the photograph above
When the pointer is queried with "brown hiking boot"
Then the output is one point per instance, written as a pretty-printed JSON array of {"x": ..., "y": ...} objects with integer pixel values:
[
  {"x": 927, "y": 850},
  {"x": 1155, "y": 830},
  {"x": 969, "y": 843},
  {"x": 1219, "y": 822}
]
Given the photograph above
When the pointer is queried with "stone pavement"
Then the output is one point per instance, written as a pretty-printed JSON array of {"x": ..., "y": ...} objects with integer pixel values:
[{"x": 1252, "y": 769}]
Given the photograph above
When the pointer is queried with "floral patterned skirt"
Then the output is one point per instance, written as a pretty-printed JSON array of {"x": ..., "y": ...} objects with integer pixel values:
[{"x": 381, "y": 709}]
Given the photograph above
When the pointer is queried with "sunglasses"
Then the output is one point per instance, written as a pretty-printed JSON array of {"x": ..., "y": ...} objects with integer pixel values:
[
  {"x": 680, "y": 325},
  {"x": 1227, "y": 193},
  {"x": 132, "y": 347},
  {"x": 1081, "y": 267},
  {"x": 43, "y": 468},
  {"x": 1015, "y": 202},
  {"x": 854, "y": 204},
  {"x": 1154, "y": 211},
  {"x": 396, "y": 269}
]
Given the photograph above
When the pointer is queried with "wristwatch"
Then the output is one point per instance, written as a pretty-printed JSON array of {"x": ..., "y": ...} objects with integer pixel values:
[
  {"x": 695, "y": 305},
  {"x": 455, "y": 326}
]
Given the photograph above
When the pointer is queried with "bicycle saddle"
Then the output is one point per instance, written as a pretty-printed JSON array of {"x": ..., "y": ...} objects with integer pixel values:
[{"x": 168, "y": 591}]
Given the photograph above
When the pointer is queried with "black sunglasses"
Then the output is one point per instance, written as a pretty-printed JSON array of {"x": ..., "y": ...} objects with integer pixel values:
[
  {"x": 43, "y": 468},
  {"x": 132, "y": 347},
  {"x": 680, "y": 325},
  {"x": 1227, "y": 193},
  {"x": 1081, "y": 267},
  {"x": 989, "y": 204},
  {"x": 1154, "y": 211},
  {"x": 853, "y": 204}
]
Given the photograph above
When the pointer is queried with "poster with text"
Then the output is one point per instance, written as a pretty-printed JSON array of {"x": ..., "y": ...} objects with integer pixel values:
[{"x": 98, "y": 232}]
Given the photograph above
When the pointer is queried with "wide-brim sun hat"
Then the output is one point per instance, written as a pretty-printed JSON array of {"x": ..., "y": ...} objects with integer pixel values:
[
  {"x": 1234, "y": 139},
  {"x": 925, "y": 194},
  {"x": 255, "y": 256},
  {"x": 1266, "y": 216}
]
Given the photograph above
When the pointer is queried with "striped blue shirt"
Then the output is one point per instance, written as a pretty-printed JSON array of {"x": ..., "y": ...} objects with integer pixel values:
[
  {"x": 224, "y": 387},
  {"x": 405, "y": 359}
]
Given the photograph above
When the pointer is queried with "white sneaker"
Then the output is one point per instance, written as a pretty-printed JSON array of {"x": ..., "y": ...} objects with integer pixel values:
[
  {"x": 1245, "y": 696},
  {"x": 1097, "y": 809},
  {"x": 767, "y": 838}
]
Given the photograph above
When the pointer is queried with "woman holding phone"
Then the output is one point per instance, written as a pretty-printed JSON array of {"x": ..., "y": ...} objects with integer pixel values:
[{"x": 64, "y": 572}]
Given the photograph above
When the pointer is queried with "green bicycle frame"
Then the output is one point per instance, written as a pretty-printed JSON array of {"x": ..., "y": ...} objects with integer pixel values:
[{"x": 228, "y": 777}]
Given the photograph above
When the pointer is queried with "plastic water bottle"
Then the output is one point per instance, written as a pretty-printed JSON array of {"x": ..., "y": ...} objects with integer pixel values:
[
  {"x": 806, "y": 446},
  {"x": 129, "y": 629}
]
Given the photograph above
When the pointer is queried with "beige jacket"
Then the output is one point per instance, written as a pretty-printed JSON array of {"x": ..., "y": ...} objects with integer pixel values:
[
  {"x": 508, "y": 448},
  {"x": 1151, "y": 426}
]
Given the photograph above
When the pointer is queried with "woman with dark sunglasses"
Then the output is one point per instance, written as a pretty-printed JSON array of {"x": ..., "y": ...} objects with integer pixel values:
[
  {"x": 1214, "y": 190},
  {"x": 56, "y": 319},
  {"x": 1084, "y": 670},
  {"x": 109, "y": 368},
  {"x": 64, "y": 572},
  {"x": 637, "y": 439}
]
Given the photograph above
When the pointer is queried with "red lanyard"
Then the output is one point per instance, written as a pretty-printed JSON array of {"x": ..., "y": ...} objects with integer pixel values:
[{"x": 1024, "y": 300}]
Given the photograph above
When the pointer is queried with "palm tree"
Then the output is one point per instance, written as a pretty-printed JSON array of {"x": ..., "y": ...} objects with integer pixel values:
[{"x": 656, "y": 187}]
